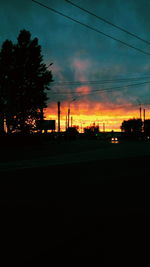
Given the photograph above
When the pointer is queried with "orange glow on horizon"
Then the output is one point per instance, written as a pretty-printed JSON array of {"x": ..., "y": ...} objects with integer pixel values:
[{"x": 86, "y": 113}]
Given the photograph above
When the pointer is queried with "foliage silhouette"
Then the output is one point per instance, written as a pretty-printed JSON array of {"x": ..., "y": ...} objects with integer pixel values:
[
  {"x": 147, "y": 127},
  {"x": 23, "y": 84},
  {"x": 132, "y": 126}
]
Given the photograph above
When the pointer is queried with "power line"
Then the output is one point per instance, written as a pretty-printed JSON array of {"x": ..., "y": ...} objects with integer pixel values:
[
  {"x": 109, "y": 22},
  {"x": 92, "y": 28},
  {"x": 97, "y": 82},
  {"x": 110, "y": 89}
]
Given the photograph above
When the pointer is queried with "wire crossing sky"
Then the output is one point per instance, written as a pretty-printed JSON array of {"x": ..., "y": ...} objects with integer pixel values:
[
  {"x": 91, "y": 28},
  {"x": 109, "y": 22},
  {"x": 109, "y": 89},
  {"x": 60, "y": 83}
]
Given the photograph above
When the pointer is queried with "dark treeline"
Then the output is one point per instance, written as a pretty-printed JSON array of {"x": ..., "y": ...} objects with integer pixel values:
[
  {"x": 136, "y": 129},
  {"x": 136, "y": 126},
  {"x": 132, "y": 125},
  {"x": 24, "y": 81}
]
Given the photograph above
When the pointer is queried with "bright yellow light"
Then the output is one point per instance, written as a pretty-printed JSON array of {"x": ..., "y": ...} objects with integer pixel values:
[{"x": 86, "y": 113}]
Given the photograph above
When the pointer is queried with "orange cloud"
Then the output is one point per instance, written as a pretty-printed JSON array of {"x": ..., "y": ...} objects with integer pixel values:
[{"x": 83, "y": 89}]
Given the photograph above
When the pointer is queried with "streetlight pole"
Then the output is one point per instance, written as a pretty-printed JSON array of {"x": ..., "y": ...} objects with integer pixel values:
[{"x": 68, "y": 121}]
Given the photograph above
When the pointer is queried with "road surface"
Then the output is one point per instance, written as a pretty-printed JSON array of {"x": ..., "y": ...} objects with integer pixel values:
[{"x": 77, "y": 211}]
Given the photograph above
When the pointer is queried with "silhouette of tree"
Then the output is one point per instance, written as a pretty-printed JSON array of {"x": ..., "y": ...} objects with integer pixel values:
[
  {"x": 147, "y": 127},
  {"x": 28, "y": 80},
  {"x": 132, "y": 126},
  {"x": 91, "y": 129}
]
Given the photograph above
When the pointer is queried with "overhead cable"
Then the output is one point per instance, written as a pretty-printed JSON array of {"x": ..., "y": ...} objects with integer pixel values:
[
  {"x": 92, "y": 28},
  {"x": 97, "y": 82},
  {"x": 109, "y": 89},
  {"x": 109, "y": 22}
]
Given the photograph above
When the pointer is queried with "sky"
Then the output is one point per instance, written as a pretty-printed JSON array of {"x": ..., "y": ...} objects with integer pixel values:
[{"x": 87, "y": 64}]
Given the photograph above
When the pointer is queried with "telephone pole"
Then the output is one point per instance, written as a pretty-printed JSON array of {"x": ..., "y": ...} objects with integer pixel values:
[
  {"x": 68, "y": 117},
  {"x": 144, "y": 114},
  {"x": 58, "y": 116},
  {"x": 144, "y": 120},
  {"x": 103, "y": 127},
  {"x": 71, "y": 121},
  {"x": 140, "y": 113}
]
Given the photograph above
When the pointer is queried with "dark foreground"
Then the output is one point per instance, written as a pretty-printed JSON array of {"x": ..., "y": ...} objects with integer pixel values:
[{"x": 77, "y": 214}]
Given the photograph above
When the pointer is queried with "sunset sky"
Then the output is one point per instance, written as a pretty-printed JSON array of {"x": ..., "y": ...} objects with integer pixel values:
[{"x": 90, "y": 70}]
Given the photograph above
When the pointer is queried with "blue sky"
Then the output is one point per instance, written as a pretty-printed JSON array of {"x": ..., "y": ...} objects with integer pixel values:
[{"x": 80, "y": 54}]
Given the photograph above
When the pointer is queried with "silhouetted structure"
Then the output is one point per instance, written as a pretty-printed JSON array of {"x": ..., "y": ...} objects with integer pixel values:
[{"x": 46, "y": 125}]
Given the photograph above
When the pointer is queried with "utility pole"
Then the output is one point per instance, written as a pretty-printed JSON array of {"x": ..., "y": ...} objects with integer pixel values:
[
  {"x": 81, "y": 127},
  {"x": 140, "y": 113},
  {"x": 71, "y": 120},
  {"x": 66, "y": 122},
  {"x": 144, "y": 114},
  {"x": 1, "y": 123},
  {"x": 58, "y": 116},
  {"x": 68, "y": 117},
  {"x": 144, "y": 120},
  {"x": 103, "y": 127}
]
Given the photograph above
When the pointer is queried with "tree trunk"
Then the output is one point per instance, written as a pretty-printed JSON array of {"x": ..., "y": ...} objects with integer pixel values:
[{"x": 2, "y": 123}]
